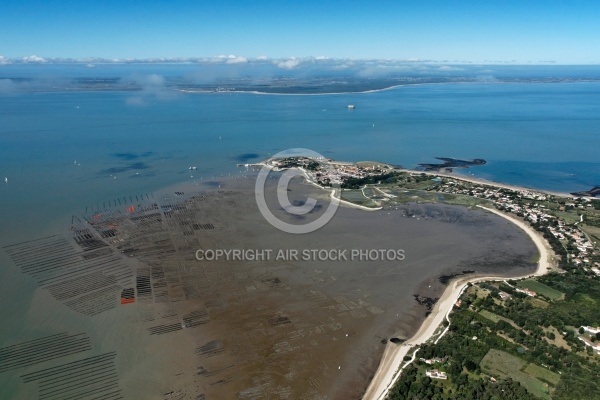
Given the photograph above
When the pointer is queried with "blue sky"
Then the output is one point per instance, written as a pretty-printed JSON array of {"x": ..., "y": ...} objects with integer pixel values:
[{"x": 566, "y": 32}]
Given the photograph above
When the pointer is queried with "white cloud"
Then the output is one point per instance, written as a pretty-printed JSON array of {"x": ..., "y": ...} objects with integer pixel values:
[
  {"x": 448, "y": 68},
  {"x": 153, "y": 87},
  {"x": 153, "y": 80},
  {"x": 262, "y": 58},
  {"x": 237, "y": 60},
  {"x": 289, "y": 64},
  {"x": 33, "y": 59},
  {"x": 4, "y": 60}
]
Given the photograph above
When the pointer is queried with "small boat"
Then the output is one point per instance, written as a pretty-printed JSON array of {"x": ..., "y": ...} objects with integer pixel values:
[
  {"x": 350, "y": 106},
  {"x": 192, "y": 168}
]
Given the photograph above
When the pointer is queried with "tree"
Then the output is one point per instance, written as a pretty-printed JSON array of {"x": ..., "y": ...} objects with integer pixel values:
[
  {"x": 581, "y": 330},
  {"x": 470, "y": 365}
]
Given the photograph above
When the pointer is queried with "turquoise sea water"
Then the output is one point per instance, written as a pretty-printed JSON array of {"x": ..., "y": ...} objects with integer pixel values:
[{"x": 62, "y": 151}]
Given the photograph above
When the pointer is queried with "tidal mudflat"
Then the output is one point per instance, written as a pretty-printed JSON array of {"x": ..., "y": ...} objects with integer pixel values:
[{"x": 167, "y": 325}]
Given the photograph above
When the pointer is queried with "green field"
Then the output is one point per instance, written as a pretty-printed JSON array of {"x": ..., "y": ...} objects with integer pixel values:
[
  {"x": 542, "y": 373},
  {"x": 593, "y": 232},
  {"x": 495, "y": 318},
  {"x": 542, "y": 289},
  {"x": 503, "y": 365},
  {"x": 412, "y": 196},
  {"x": 406, "y": 195},
  {"x": 569, "y": 217},
  {"x": 490, "y": 315},
  {"x": 356, "y": 196},
  {"x": 538, "y": 303}
]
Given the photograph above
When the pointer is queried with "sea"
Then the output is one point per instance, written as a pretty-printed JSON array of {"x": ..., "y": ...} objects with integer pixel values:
[{"x": 64, "y": 152}]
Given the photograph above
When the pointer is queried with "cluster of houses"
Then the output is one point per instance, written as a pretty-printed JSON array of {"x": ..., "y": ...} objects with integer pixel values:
[
  {"x": 341, "y": 171},
  {"x": 534, "y": 212},
  {"x": 325, "y": 171}
]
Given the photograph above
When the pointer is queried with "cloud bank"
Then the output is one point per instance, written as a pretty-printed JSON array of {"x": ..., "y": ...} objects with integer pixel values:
[{"x": 152, "y": 88}]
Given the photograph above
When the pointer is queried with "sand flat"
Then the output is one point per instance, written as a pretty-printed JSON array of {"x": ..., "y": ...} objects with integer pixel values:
[{"x": 270, "y": 328}]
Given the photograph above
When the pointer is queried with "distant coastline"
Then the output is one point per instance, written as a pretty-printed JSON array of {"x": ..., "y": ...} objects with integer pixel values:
[
  {"x": 295, "y": 91},
  {"x": 289, "y": 84}
]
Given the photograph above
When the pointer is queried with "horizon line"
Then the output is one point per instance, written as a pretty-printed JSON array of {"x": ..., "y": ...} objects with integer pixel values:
[{"x": 240, "y": 60}]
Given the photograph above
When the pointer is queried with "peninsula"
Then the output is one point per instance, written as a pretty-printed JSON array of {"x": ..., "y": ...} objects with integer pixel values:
[{"x": 566, "y": 231}]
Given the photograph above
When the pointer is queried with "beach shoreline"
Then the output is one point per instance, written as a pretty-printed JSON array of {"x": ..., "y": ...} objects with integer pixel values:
[
  {"x": 391, "y": 362},
  {"x": 191, "y": 91}
]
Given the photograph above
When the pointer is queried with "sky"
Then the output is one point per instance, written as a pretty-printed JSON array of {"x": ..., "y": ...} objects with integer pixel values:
[{"x": 478, "y": 31}]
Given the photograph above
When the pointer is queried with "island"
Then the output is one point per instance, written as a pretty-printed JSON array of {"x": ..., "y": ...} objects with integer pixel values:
[
  {"x": 593, "y": 192},
  {"x": 450, "y": 163}
]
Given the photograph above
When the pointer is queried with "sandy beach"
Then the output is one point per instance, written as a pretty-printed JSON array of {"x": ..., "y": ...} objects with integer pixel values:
[{"x": 390, "y": 367}]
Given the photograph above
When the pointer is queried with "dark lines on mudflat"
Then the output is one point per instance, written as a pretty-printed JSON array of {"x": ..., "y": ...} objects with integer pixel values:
[
  {"x": 195, "y": 318},
  {"x": 210, "y": 349},
  {"x": 43, "y": 349},
  {"x": 95, "y": 302},
  {"x": 142, "y": 282},
  {"x": 161, "y": 329},
  {"x": 92, "y": 378},
  {"x": 81, "y": 285},
  {"x": 87, "y": 241},
  {"x": 203, "y": 226},
  {"x": 86, "y": 280},
  {"x": 279, "y": 320}
]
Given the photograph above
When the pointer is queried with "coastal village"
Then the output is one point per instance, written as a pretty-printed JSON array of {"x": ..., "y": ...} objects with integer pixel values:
[
  {"x": 540, "y": 210},
  {"x": 330, "y": 173},
  {"x": 511, "y": 350}
]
